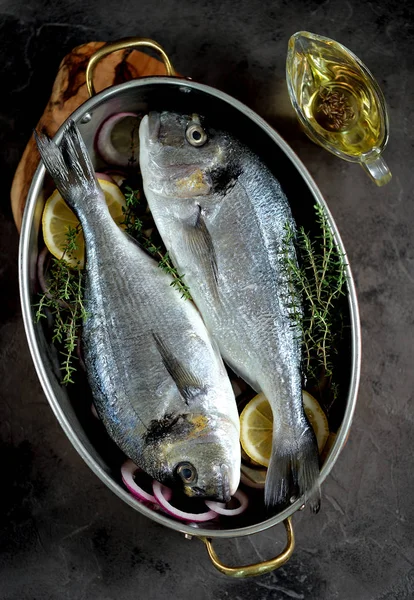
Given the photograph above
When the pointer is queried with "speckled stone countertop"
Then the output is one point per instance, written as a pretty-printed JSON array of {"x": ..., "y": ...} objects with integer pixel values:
[{"x": 63, "y": 534}]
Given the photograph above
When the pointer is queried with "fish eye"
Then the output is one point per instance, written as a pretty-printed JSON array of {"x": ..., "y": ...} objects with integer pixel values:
[
  {"x": 186, "y": 472},
  {"x": 196, "y": 135}
]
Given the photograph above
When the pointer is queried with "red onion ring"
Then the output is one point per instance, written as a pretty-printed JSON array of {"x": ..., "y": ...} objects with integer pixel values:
[
  {"x": 118, "y": 176},
  {"x": 104, "y": 143},
  {"x": 160, "y": 495},
  {"x": 41, "y": 270},
  {"x": 114, "y": 171},
  {"x": 104, "y": 176},
  {"x": 128, "y": 470},
  {"x": 220, "y": 507}
]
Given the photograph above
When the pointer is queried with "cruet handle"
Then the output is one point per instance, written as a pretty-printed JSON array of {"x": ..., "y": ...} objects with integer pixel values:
[{"x": 378, "y": 170}]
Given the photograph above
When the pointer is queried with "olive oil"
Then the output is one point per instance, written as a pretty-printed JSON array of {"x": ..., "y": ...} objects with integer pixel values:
[
  {"x": 344, "y": 111},
  {"x": 338, "y": 102}
]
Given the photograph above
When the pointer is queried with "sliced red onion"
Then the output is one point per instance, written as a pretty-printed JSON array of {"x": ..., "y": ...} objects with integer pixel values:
[
  {"x": 160, "y": 495},
  {"x": 220, "y": 507},
  {"x": 104, "y": 176},
  {"x": 111, "y": 171},
  {"x": 128, "y": 470},
  {"x": 105, "y": 144},
  {"x": 41, "y": 270},
  {"x": 117, "y": 175}
]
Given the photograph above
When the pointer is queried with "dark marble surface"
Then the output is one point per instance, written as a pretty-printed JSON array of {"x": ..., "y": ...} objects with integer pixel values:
[{"x": 63, "y": 535}]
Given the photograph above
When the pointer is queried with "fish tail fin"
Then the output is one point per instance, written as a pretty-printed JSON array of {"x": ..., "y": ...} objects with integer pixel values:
[
  {"x": 293, "y": 469},
  {"x": 69, "y": 165}
]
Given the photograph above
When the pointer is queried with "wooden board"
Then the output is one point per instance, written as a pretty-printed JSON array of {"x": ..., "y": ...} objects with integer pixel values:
[{"x": 68, "y": 93}]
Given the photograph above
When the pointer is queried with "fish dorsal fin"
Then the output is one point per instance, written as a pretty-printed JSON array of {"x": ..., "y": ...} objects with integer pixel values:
[
  {"x": 188, "y": 384},
  {"x": 201, "y": 246}
]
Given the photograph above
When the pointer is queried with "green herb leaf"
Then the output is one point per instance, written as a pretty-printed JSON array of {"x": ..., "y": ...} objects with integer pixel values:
[
  {"x": 315, "y": 282},
  {"x": 64, "y": 300}
]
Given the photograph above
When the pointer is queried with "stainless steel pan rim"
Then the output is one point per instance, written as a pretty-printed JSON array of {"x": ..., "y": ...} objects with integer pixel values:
[{"x": 27, "y": 311}]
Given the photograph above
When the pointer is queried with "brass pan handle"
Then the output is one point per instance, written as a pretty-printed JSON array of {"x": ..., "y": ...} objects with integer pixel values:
[
  {"x": 258, "y": 568},
  {"x": 125, "y": 44}
]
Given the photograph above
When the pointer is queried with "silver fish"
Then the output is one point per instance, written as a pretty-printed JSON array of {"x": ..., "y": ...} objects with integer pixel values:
[
  {"x": 158, "y": 384},
  {"x": 222, "y": 216}
]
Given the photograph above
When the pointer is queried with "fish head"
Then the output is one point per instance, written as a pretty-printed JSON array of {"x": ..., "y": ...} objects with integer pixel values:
[
  {"x": 200, "y": 455},
  {"x": 180, "y": 157}
]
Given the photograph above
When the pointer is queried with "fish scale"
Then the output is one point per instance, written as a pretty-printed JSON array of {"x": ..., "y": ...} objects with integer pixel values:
[
  {"x": 231, "y": 262},
  {"x": 159, "y": 385}
]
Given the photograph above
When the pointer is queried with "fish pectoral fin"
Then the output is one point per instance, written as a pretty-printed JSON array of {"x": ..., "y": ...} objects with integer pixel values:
[
  {"x": 201, "y": 245},
  {"x": 188, "y": 384}
]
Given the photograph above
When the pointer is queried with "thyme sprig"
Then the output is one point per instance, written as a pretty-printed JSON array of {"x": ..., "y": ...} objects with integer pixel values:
[
  {"x": 131, "y": 222},
  {"x": 316, "y": 282},
  {"x": 134, "y": 226},
  {"x": 64, "y": 301}
]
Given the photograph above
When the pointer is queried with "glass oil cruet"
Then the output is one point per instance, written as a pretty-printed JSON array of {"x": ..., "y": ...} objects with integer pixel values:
[{"x": 338, "y": 102}]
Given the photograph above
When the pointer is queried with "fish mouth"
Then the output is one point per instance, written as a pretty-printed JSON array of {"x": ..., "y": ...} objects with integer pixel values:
[
  {"x": 154, "y": 124},
  {"x": 221, "y": 491}
]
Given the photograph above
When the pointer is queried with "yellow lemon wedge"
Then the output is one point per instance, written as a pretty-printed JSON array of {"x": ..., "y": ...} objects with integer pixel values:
[
  {"x": 316, "y": 418},
  {"x": 58, "y": 219},
  {"x": 256, "y": 426}
]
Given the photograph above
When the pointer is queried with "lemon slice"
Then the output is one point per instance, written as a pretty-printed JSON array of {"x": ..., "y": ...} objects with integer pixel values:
[
  {"x": 256, "y": 429},
  {"x": 256, "y": 426},
  {"x": 58, "y": 218},
  {"x": 247, "y": 460},
  {"x": 316, "y": 418}
]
